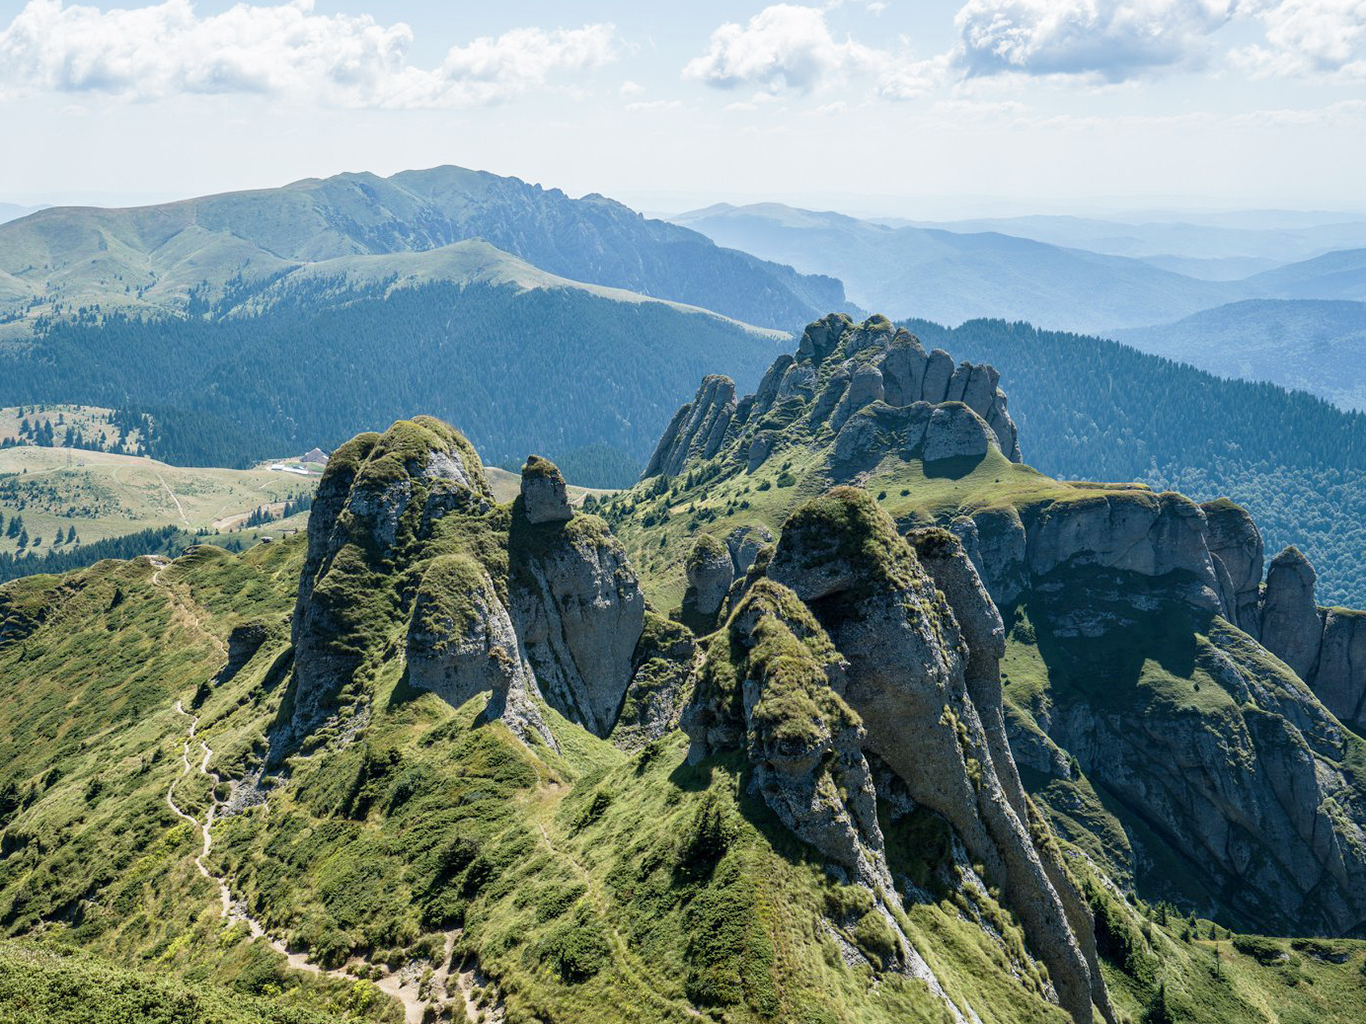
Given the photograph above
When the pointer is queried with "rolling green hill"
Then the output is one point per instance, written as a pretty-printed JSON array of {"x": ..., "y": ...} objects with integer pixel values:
[
  {"x": 522, "y": 359},
  {"x": 180, "y": 257}
]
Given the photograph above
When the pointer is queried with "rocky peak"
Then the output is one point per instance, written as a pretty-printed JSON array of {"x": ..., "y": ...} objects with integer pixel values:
[
  {"x": 1291, "y": 628},
  {"x": 545, "y": 499},
  {"x": 529, "y": 602},
  {"x": 866, "y": 389},
  {"x": 889, "y": 645}
]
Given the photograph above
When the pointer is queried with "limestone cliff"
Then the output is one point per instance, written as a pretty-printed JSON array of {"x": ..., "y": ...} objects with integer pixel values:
[{"x": 524, "y": 603}]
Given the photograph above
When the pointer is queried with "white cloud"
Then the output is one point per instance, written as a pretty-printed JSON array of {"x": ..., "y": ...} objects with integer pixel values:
[
  {"x": 786, "y": 46},
  {"x": 1309, "y": 37},
  {"x": 629, "y": 88},
  {"x": 283, "y": 50},
  {"x": 782, "y": 46},
  {"x": 1112, "y": 39},
  {"x": 647, "y": 106}
]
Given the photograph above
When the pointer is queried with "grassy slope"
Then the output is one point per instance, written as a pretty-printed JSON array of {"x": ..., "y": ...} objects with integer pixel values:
[
  {"x": 576, "y": 877},
  {"x": 657, "y": 528},
  {"x": 106, "y": 495}
]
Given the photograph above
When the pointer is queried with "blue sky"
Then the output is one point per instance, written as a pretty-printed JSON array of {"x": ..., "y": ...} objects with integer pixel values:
[{"x": 898, "y": 107}]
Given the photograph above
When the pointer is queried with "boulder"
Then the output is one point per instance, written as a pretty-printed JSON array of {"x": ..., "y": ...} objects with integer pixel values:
[
  {"x": 744, "y": 544},
  {"x": 545, "y": 498},
  {"x": 955, "y": 431},
  {"x": 710, "y": 574}
]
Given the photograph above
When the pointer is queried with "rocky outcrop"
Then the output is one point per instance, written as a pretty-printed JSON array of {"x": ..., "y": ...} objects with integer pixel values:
[
  {"x": 1236, "y": 543},
  {"x": 710, "y": 574},
  {"x": 1291, "y": 628},
  {"x": 579, "y": 612},
  {"x": 744, "y": 544},
  {"x": 908, "y": 663},
  {"x": 662, "y": 669},
  {"x": 527, "y": 603},
  {"x": 545, "y": 498},
  {"x": 1340, "y": 678},
  {"x": 370, "y": 502},
  {"x": 781, "y": 704},
  {"x": 461, "y": 644},
  {"x": 860, "y": 384},
  {"x": 697, "y": 429}
]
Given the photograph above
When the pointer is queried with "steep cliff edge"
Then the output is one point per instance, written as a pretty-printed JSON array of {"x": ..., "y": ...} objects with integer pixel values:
[
  {"x": 1134, "y": 624},
  {"x": 530, "y": 603}
]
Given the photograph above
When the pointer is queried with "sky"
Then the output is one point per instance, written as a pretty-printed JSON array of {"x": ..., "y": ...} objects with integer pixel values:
[{"x": 917, "y": 108}]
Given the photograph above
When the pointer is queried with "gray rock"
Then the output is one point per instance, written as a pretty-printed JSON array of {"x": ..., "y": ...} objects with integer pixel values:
[
  {"x": 1291, "y": 627},
  {"x": 1340, "y": 680},
  {"x": 710, "y": 574},
  {"x": 865, "y": 387},
  {"x": 544, "y": 496},
  {"x": 1235, "y": 540},
  {"x": 938, "y": 372},
  {"x": 461, "y": 644},
  {"x": 696, "y": 430},
  {"x": 955, "y": 431},
  {"x": 744, "y": 544},
  {"x": 579, "y": 613},
  {"x": 903, "y": 372},
  {"x": 908, "y": 658}
]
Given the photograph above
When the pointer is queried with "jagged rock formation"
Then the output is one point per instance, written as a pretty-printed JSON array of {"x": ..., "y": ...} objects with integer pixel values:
[
  {"x": 579, "y": 612},
  {"x": 525, "y": 603},
  {"x": 850, "y": 647},
  {"x": 870, "y": 387},
  {"x": 1236, "y": 545},
  {"x": 1290, "y": 619},
  {"x": 710, "y": 573}
]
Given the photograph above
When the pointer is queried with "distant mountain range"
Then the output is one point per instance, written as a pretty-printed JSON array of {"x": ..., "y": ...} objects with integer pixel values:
[
  {"x": 1215, "y": 248},
  {"x": 1315, "y": 345},
  {"x": 952, "y": 276},
  {"x": 185, "y": 256}
]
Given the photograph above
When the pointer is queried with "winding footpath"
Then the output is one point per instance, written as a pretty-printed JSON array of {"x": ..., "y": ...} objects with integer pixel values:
[{"x": 405, "y": 985}]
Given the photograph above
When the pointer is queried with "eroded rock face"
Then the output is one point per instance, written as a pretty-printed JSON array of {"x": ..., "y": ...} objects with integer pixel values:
[
  {"x": 528, "y": 603},
  {"x": 1291, "y": 628},
  {"x": 369, "y": 502},
  {"x": 907, "y": 678},
  {"x": 781, "y": 705},
  {"x": 710, "y": 574},
  {"x": 871, "y": 386},
  {"x": 461, "y": 643},
  {"x": 697, "y": 429},
  {"x": 1153, "y": 535},
  {"x": 579, "y": 612},
  {"x": 1237, "y": 543},
  {"x": 1340, "y": 679},
  {"x": 545, "y": 499},
  {"x": 744, "y": 544}
]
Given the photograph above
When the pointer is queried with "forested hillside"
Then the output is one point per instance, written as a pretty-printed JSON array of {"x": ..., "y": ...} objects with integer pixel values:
[
  {"x": 550, "y": 369},
  {"x": 174, "y": 256},
  {"x": 1094, "y": 409},
  {"x": 1315, "y": 345}
]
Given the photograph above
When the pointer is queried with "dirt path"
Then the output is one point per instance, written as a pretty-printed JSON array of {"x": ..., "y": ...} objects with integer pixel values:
[
  {"x": 447, "y": 982},
  {"x": 178, "y": 507}
]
